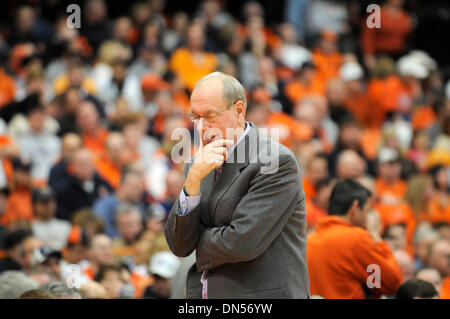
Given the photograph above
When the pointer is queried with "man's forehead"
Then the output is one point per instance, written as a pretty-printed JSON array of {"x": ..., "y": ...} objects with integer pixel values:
[{"x": 210, "y": 89}]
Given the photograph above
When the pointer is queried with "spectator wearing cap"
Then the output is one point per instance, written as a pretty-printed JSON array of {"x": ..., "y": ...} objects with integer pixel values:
[
  {"x": 389, "y": 182},
  {"x": 75, "y": 253},
  {"x": 391, "y": 191},
  {"x": 357, "y": 100},
  {"x": 52, "y": 231},
  {"x": 19, "y": 206},
  {"x": 163, "y": 267},
  {"x": 38, "y": 146},
  {"x": 84, "y": 187},
  {"x": 396, "y": 93},
  {"x": 341, "y": 249},
  {"x": 191, "y": 62},
  {"x": 48, "y": 260},
  {"x": 327, "y": 57},
  {"x": 150, "y": 86},
  {"x": 15, "y": 251}
]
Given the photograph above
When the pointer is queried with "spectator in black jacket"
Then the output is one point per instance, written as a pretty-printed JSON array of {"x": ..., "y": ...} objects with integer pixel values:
[{"x": 82, "y": 188}]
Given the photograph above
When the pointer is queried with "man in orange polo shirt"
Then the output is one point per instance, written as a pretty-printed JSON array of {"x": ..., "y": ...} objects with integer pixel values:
[{"x": 345, "y": 259}]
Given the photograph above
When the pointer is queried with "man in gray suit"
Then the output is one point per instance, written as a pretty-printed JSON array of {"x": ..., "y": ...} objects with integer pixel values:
[{"x": 244, "y": 216}]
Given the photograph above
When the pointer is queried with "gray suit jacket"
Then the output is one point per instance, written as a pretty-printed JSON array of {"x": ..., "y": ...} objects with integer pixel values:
[{"x": 249, "y": 228}]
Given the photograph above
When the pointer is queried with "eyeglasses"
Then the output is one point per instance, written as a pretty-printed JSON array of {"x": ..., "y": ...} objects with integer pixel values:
[{"x": 211, "y": 117}]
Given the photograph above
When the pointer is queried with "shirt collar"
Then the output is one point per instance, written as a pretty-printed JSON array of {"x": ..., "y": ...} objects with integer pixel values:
[{"x": 247, "y": 129}]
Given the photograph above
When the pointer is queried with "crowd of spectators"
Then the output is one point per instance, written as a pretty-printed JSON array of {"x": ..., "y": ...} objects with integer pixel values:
[{"x": 87, "y": 115}]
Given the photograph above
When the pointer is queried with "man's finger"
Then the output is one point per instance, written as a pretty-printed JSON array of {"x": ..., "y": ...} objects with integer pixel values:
[
  {"x": 199, "y": 130},
  {"x": 222, "y": 142}
]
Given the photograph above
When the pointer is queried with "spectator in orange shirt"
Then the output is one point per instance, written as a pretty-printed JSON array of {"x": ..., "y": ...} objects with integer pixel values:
[
  {"x": 389, "y": 184},
  {"x": 290, "y": 130},
  {"x": 19, "y": 206},
  {"x": 357, "y": 100},
  {"x": 438, "y": 210},
  {"x": 307, "y": 82},
  {"x": 191, "y": 63},
  {"x": 327, "y": 57},
  {"x": 341, "y": 250},
  {"x": 109, "y": 164},
  {"x": 317, "y": 206},
  {"x": 316, "y": 170},
  {"x": 391, "y": 37},
  {"x": 92, "y": 133}
]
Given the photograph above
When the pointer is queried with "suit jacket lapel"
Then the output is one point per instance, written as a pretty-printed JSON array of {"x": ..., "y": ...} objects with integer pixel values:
[{"x": 238, "y": 160}]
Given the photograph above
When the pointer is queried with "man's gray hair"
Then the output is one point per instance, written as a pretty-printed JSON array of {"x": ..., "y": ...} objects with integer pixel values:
[
  {"x": 233, "y": 90},
  {"x": 14, "y": 283},
  {"x": 60, "y": 290}
]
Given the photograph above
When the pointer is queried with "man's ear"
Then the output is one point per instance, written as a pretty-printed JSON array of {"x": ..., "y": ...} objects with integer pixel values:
[
  {"x": 353, "y": 211},
  {"x": 240, "y": 108}
]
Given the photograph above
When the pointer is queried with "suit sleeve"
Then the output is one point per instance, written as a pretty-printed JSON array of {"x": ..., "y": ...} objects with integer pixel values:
[
  {"x": 257, "y": 220},
  {"x": 183, "y": 231}
]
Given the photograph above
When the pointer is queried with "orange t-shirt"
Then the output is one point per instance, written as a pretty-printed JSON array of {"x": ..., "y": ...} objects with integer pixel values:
[
  {"x": 96, "y": 143},
  {"x": 397, "y": 189},
  {"x": 7, "y": 88},
  {"x": 18, "y": 206},
  {"x": 390, "y": 37},
  {"x": 436, "y": 213},
  {"x": 313, "y": 213},
  {"x": 399, "y": 214},
  {"x": 290, "y": 130},
  {"x": 192, "y": 68},
  {"x": 423, "y": 117},
  {"x": 296, "y": 90},
  {"x": 327, "y": 64},
  {"x": 388, "y": 95},
  {"x": 358, "y": 105},
  {"x": 309, "y": 188},
  {"x": 445, "y": 292},
  {"x": 109, "y": 171},
  {"x": 338, "y": 256}
]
